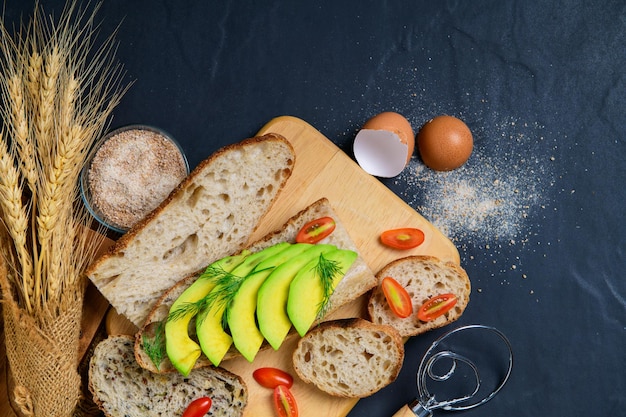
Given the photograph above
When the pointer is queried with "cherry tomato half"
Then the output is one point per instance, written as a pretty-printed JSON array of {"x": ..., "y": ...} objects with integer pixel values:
[
  {"x": 403, "y": 238},
  {"x": 198, "y": 407},
  {"x": 436, "y": 306},
  {"x": 397, "y": 297},
  {"x": 285, "y": 402},
  {"x": 316, "y": 230},
  {"x": 272, "y": 377}
]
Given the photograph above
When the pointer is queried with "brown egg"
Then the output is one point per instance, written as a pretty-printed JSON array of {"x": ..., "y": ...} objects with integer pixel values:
[
  {"x": 445, "y": 143},
  {"x": 385, "y": 144}
]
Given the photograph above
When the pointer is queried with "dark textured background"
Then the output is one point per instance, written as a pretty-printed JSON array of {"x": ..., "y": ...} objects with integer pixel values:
[{"x": 540, "y": 83}]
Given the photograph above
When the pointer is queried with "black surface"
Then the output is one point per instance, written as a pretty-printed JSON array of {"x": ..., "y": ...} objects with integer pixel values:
[{"x": 540, "y": 83}]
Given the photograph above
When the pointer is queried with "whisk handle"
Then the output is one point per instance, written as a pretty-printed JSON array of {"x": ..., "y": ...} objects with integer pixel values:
[
  {"x": 415, "y": 409},
  {"x": 404, "y": 412}
]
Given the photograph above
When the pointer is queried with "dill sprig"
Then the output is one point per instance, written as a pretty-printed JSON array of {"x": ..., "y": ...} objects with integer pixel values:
[
  {"x": 326, "y": 270},
  {"x": 190, "y": 308},
  {"x": 221, "y": 296},
  {"x": 215, "y": 273},
  {"x": 155, "y": 346}
]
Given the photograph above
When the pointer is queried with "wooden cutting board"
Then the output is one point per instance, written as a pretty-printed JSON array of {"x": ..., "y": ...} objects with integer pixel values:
[{"x": 364, "y": 205}]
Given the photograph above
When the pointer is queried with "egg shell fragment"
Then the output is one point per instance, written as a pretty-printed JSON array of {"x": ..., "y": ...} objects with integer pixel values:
[{"x": 384, "y": 145}]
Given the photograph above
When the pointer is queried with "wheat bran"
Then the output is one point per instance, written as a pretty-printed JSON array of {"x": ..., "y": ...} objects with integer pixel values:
[{"x": 132, "y": 173}]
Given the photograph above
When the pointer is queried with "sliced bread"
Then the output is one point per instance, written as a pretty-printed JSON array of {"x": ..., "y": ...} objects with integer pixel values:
[
  {"x": 350, "y": 358},
  {"x": 121, "y": 388},
  {"x": 423, "y": 277},
  {"x": 357, "y": 281},
  {"x": 209, "y": 215}
]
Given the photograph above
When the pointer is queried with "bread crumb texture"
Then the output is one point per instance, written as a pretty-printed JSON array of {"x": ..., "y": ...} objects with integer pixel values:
[
  {"x": 350, "y": 360},
  {"x": 123, "y": 389}
]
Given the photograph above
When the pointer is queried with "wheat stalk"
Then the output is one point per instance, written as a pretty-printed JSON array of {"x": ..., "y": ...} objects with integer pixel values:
[
  {"x": 57, "y": 183},
  {"x": 58, "y": 94}
]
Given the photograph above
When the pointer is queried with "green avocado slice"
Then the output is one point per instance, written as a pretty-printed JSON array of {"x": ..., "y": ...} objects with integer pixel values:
[
  {"x": 182, "y": 350},
  {"x": 241, "y": 312},
  {"x": 272, "y": 317},
  {"x": 214, "y": 340},
  {"x": 313, "y": 285}
]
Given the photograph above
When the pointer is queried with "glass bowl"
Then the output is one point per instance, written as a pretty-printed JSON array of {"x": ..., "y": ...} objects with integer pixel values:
[{"x": 133, "y": 165}]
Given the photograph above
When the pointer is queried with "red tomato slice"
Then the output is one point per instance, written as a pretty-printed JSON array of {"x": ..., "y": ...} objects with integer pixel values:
[
  {"x": 436, "y": 306},
  {"x": 272, "y": 377},
  {"x": 316, "y": 230},
  {"x": 403, "y": 238},
  {"x": 397, "y": 297},
  {"x": 198, "y": 407},
  {"x": 285, "y": 402}
]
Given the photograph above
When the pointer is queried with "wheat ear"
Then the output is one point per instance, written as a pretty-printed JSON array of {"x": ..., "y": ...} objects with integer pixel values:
[
  {"x": 15, "y": 218},
  {"x": 21, "y": 135},
  {"x": 33, "y": 75},
  {"x": 44, "y": 119}
]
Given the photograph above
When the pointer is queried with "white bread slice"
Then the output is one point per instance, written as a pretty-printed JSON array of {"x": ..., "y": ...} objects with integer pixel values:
[
  {"x": 121, "y": 388},
  {"x": 209, "y": 215},
  {"x": 350, "y": 358},
  {"x": 357, "y": 281},
  {"x": 423, "y": 277}
]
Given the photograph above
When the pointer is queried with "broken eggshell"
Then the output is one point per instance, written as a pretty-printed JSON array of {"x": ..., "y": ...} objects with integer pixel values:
[{"x": 384, "y": 145}]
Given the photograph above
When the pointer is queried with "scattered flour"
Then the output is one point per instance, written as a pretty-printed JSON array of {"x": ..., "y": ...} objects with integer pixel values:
[
  {"x": 491, "y": 200},
  {"x": 492, "y": 206}
]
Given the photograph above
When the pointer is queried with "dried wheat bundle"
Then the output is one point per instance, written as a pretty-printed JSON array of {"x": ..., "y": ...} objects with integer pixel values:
[{"x": 58, "y": 92}]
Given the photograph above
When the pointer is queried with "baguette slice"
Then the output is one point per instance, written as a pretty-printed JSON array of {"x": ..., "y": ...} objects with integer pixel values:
[
  {"x": 208, "y": 216},
  {"x": 123, "y": 389},
  {"x": 423, "y": 277},
  {"x": 350, "y": 358},
  {"x": 358, "y": 280}
]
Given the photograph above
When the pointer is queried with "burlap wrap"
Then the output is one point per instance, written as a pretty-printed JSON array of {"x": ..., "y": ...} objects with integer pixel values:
[{"x": 42, "y": 358}]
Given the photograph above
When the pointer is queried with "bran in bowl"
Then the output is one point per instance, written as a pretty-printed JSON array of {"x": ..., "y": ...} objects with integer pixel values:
[{"x": 131, "y": 173}]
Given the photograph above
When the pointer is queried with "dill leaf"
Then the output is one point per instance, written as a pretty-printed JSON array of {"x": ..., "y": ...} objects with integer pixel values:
[
  {"x": 226, "y": 286},
  {"x": 155, "y": 346},
  {"x": 185, "y": 309},
  {"x": 326, "y": 270},
  {"x": 221, "y": 278}
]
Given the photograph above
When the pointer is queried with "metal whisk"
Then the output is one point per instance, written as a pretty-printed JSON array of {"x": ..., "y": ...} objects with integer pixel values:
[{"x": 441, "y": 365}]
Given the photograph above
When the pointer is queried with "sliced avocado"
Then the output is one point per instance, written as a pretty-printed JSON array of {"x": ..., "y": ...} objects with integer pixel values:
[
  {"x": 308, "y": 297},
  {"x": 183, "y": 351},
  {"x": 214, "y": 340},
  {"x": 241, "y": 312},
  {"x": 272, "y": 317}
]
